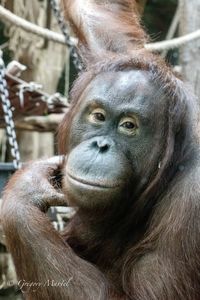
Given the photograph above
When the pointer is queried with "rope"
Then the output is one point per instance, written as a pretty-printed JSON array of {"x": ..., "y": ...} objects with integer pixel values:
[
  {"x": 61, "y": 22},
  {"x": 173, "y": 27},
  {"x": 59, "y": 38},
  {"x": 6, "y": 15},
  {"x": 174, "y": 43},
  {"x": 8, "y": 116}
]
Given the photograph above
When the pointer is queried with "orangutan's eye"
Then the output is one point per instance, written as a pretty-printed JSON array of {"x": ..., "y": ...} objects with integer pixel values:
[
  {"x": 128, "y": 126},
  {"x": 97, "y": 116}
]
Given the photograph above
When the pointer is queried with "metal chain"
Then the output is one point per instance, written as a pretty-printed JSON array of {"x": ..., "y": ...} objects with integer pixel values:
[
  {"x": 8, "y": 116},
  {"x": 63, "y": 26}
]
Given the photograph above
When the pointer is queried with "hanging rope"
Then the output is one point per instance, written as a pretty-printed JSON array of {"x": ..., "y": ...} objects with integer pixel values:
[
  {"x": 174, "y": 43},
  {"x": 64, "y": 38},
  {"x": 8, "y": 116},
  {"x": 58, "y": 38},
  {"x": 11, "y": 18},
  {"x": 61, "y": 22}
]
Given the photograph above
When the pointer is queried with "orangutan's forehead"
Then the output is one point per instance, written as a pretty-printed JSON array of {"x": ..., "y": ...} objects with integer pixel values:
[{"x": 122, "y": 84}]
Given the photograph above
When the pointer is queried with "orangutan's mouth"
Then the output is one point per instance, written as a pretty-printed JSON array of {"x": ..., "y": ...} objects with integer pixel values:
[{"x": 99, "y": 184}]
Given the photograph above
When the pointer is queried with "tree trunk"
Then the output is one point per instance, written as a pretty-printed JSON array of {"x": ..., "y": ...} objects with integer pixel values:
[{"x": 190, "y": 53}]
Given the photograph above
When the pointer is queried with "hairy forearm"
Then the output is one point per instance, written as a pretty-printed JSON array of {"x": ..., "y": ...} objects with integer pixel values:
[{"x": 47, "y": 268}]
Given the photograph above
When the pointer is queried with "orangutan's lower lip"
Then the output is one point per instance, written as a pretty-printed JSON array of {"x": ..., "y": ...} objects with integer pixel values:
[{"x": 92, "y": 183}]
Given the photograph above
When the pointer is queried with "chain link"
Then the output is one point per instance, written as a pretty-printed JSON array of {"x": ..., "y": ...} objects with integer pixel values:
[
  {"x": 4, "y": 95},
  {"x": 63, "y": 26},
  {"x": 8, "y": 116}
]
